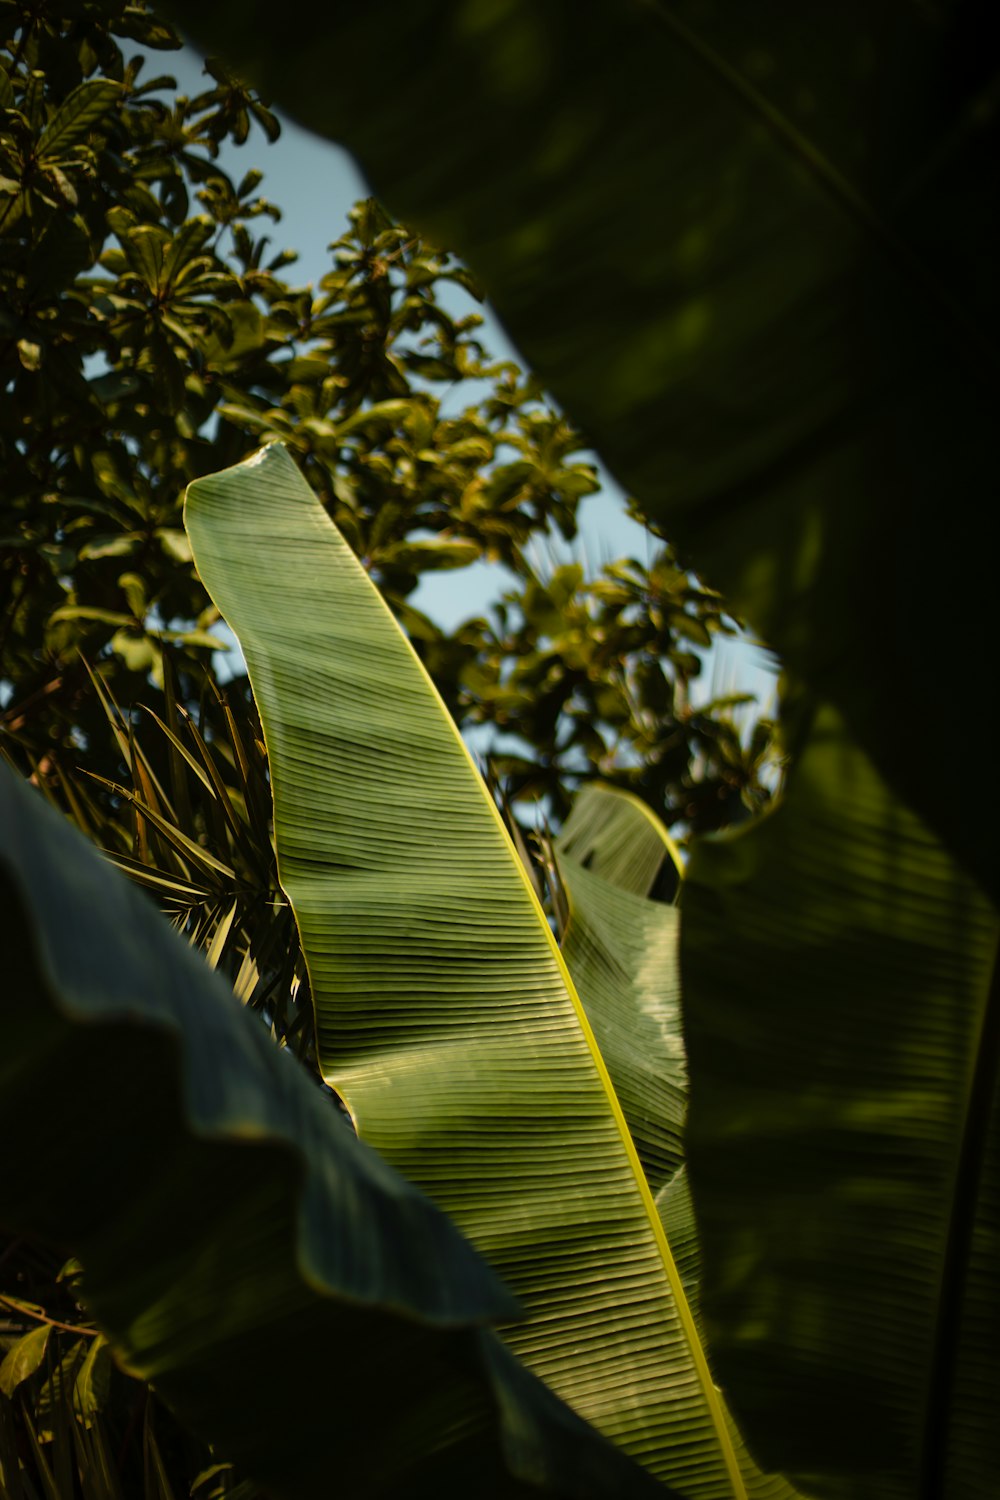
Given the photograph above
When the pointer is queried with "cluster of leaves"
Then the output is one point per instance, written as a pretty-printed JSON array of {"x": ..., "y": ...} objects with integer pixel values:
[
  {"x": 148, "y": 336},
  {"x": 595, "y": 674},
  {"x": 72, "y": 1422}
]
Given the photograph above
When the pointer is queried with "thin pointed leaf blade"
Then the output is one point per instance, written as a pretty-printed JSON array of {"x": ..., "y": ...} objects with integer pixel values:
[{"x": 445, "y": 1016}]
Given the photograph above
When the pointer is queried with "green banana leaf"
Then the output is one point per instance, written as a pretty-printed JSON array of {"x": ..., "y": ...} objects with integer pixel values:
[
  {"x": 751, "y": 249},
  {"x": 446, "y": 1018},
  {"x": 844, "y": 1039},
  {"x": 619, "y": 838},
  {"x": 621, "y": 949},
  {"x": 622, "y": 952},
  {"x": 285, "y": 1290}
]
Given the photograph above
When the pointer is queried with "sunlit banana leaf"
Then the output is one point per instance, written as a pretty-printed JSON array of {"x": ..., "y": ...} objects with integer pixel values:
[
  {"x": 445, "y": 1016},
  {"x": 751, "y": 248},
  {"x": 621, "y": 949},
  {"x": 844, "y": 1040},
  {"x": 618, "y": 837},
  {"x": 231, "y": 1225}
]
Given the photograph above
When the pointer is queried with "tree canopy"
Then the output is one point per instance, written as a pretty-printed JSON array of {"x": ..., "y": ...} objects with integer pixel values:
[{"x": 151, "y": 335}]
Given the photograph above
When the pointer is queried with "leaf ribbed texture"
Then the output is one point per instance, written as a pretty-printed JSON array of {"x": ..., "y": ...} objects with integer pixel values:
[
  {"x": 445, "y": 1015},
  {"x": 843, "y": 1045},
  {"x": 622, "y": 950}
]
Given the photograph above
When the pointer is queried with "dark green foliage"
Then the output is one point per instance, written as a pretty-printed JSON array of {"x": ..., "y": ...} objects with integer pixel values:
[{"x": 317, "y": 1290}]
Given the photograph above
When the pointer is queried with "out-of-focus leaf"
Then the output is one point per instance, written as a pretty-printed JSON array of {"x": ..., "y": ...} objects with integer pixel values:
[
  {"x": 93, "y": 1383},
  {"x": 229, "y": 1221},
  {"x": 423, "y": 557},
  {"x": 23, "y": 1359},
  {"x": 842, "y": 1020},
  {"x": 752, "y": 253},
  {"x": 78, "y": 115}
]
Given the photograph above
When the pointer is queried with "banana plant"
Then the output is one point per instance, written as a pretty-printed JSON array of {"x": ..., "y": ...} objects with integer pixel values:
[
  {"x": 447, "y": 1018},
  {"x": 218, "y": 1203},
  {"x": 749, "y": 250}
]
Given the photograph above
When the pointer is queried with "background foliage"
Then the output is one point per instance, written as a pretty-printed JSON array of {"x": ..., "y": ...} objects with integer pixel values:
[{"x": 150, "y": 335}]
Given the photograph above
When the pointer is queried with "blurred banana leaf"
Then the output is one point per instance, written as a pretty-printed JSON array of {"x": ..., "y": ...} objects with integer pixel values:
[
  {"x": 843, "y": 1137},
  {"x": 750, "y": 248},
  {"x": 229, "y": 1222}
]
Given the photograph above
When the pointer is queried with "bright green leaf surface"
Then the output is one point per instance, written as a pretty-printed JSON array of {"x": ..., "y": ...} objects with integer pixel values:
[
  {"x": 445, "y": 1015},
  {"x": 229, "y": 1222},
  {"x": 843, "y": 1040},
  {"x": 622, "y": 950}
]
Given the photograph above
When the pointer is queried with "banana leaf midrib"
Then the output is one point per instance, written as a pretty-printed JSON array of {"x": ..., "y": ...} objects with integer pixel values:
[{"x": 670, "y": 1270}]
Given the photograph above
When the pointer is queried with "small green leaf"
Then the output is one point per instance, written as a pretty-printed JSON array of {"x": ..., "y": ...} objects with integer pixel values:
[
  {"x": 174, "y": 543},
  {"x": 89, "y": 612},
  {"x": 426, "y": 557},
  {"x": 136, "y": 651},
  {"x": 21, "y": 1362},
  {"x": 78, "y": 115},
  {"x": 120, "y": 544},
  {"x": 29, "y": 353},
  {"x": 93, "y": 1383}
]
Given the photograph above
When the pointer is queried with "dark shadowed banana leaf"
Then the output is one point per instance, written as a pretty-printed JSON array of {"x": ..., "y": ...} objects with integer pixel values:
[
  {"x": 842, "y": 1021},
  {"x": 279, "y": 1284}
]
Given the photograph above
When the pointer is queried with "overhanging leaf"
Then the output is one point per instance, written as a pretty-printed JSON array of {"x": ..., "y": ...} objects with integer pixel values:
[
  {"x": 750, "y": 249},
  {"x": 229, "y": 1222},
  {"x": 445, "y": 1016}
]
